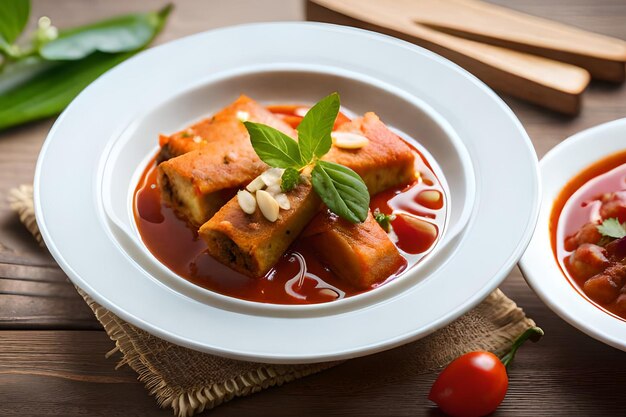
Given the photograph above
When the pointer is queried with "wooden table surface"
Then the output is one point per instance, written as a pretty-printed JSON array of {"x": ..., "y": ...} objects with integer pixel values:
[{"x": 52, "y": 348}]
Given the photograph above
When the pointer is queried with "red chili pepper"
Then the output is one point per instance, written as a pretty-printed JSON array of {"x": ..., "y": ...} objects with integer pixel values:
[{"x": 474, "y": 384}]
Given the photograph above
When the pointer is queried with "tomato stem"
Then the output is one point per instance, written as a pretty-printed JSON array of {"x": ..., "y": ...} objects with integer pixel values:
[{"x": 533, "y": 333}]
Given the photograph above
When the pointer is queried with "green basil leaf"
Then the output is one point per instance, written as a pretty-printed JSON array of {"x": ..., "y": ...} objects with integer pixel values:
[
  {"x": 315, "y": 128},
  {"x": 289, "y": 179},
  {"x": 342, "y": 190},
  {"x": 13, "y": 18},
  {"x": 274, "y": 147},
  {"x": 120, "y": 34},
  {"x": 50, "y": 91}
]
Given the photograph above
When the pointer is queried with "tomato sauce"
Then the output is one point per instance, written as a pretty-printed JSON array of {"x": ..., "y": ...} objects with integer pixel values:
[
  {"x": 177, "y": 245},
  {"x": 578, "y": 204},
  {"x": 413, "y": 241}
]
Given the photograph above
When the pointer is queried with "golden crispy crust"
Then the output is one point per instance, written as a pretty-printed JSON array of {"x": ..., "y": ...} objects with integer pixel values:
[
  {"x": 224, "y": 128},
  {"x": 386, "y": 161},
  {"x": 361, "y": 254},
  {"x": 251, "y": 244},
  {"x": 194, "y": 182},
  {"x": 195, "y": 195}
]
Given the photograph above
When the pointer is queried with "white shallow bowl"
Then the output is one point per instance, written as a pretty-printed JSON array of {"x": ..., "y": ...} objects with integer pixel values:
[
  {"x": 93, "y": 156},
  {"x": 538, "y": 264}
]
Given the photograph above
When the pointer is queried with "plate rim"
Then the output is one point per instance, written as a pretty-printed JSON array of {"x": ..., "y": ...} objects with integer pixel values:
[{"x": 472, "y": 301}]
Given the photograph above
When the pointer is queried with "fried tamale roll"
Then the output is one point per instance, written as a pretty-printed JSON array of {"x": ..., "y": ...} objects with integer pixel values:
[
  {"x": 359, "y": 253},
  {"x": 224, "y": 127},
  {"x": 181, "y": 142},
  {"x": 197, "y": 194},
  {"x": 249, "y": 243},
  {"x": 386, "y": 161},
  {"x": 197, "y": 183}
]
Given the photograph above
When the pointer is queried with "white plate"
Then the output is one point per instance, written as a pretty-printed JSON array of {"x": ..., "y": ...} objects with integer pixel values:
[
  {"x": 538, "y": 265},
  {"x": 90, "y": 163}
]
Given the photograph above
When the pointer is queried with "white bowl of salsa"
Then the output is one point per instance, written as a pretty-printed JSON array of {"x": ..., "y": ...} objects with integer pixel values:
[{"x": 576, "y": 261}]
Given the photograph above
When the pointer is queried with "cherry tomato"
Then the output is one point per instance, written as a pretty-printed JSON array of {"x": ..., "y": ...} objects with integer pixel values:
[{"x": 472, "y": 385}]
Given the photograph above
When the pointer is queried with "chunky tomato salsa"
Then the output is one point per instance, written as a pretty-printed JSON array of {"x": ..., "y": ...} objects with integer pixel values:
[{"x": 588, "y": 229}]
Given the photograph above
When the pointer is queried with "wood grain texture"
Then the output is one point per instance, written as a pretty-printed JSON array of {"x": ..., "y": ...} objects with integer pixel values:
[
  {"x": 551, "y": 84},
  {"x": 64, "y": 373},
  {"x": 41, "y": 297},
  {"x": 603, "y": 57}
]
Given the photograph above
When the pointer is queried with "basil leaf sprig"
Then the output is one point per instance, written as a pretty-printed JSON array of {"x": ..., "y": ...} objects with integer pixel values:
[
  {"x": 40, "y": 78},
  {"x": 339, "y": 187}
]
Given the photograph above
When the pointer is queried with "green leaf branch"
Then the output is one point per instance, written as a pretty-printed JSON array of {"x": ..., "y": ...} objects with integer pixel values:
[
  {"x": 41, "y": 77},
  {"x": 339, "y": 187}
]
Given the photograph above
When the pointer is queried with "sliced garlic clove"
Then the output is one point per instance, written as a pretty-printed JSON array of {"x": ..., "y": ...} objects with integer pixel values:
[
  {"x": 255, "y": 185},
  {"x": 349, "y": 140},
  {"x": 272, "y": 176},
  {"x": 283, "y": 201},
  {"x": 268, "y": 205},
  {"x": 243, "y": 116},
  {"x": 246, "y": 201},
  {"x": 274, "y": 189}
]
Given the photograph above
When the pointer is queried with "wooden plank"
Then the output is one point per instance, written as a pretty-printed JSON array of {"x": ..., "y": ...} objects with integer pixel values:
[
  {"x": 65, "y": 373},
  {"x": 547, "y": 378},
  {"x": 41, "y": 297}
]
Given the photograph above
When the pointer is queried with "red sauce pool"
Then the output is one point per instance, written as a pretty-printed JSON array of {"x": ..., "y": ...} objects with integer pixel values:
[
  {"x": 177, "y": 245},
  {"x": 578, "y": 204}
]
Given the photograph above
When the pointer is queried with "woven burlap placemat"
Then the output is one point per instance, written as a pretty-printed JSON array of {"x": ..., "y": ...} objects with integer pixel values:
[{"x": 190, "y": 382}]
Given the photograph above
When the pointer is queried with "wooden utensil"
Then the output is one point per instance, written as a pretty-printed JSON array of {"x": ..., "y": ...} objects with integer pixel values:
[
  {"x": 602, "y": 56},
  {"x": 548, "y": 83}
]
